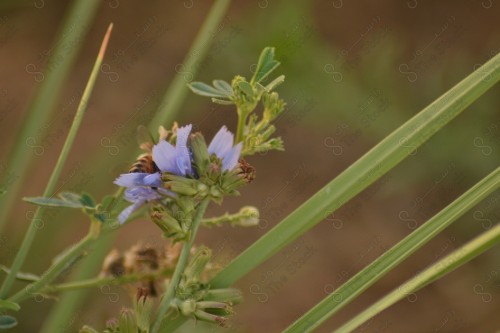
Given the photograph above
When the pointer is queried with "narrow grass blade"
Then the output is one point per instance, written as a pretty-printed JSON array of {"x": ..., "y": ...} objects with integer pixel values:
[
  {"x": 177, "y": 90},
  {"x": 51, "y": 185},
  {"x": 378, "y": 161},
  {"x": 444, "y": 266},
  {"x": 64, "y": 56},
  {"x": 395, "y": 255}
]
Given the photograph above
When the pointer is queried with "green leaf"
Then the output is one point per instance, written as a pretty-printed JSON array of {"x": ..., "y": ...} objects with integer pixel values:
[
  {"x": 204, "y": 89},
  {"x": 365, "y": 171},
  {"x": 87, "y": 200},
  {"x": 70, "y": 196},
  {"x": 395, "y": 255},
  {"x": 222, "y": 101},
  {"x": 444, "y": 266},
  {"x": 101, "y": 217},
  {"x": 276, "y": 82},
  {"x": 106, "y": 201},
  {"x": 21, "y": 276},
  {"x": 222, "y": 85},
  {"x": 246, "y": 88},
  {"x": 8, "y": 305},
  {"x": 52, "y": 202},
  {"x": 265, "y": 66},
  {"x": 7, "y": 322}
]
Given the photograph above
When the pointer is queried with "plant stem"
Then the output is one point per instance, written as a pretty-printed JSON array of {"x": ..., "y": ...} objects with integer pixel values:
[
  {"x": 242, "y": 120},
  {"x": 74, "y": 29},
  {"x": 181, "y": 265},
  {"x": 171, "y": 102},
  {"x": 51, "y": 185},
  {"x": 60, "y": 264},
  {"x": 112, "y": 280}
]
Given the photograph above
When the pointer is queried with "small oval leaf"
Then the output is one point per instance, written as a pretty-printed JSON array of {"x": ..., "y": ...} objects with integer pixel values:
[
  {"x": 8, "y": 305},
  {"x": 87, "y": 200},
  {"x": 246, "y": 88},
  {"x": 223, "y": 86},
  {"x": 203, "y": 89},
  {"x": 7, "y": 322},
  {"x": 53, "y": 202},
  {"x": 266, "y": 65},
  {"x": 69, "y": 196}
]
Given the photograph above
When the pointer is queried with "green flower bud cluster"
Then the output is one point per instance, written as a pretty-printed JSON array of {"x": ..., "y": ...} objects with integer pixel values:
[{"x": 195, "y": 298}]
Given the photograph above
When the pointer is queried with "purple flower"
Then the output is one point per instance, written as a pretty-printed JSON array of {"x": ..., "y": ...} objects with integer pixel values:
[
  {"x": 222, "y": 147},
  {"x": 145, "y": 187},
  {"x": 176, "y": 160}
]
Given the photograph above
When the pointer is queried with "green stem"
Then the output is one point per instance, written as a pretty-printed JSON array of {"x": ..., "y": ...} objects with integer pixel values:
[
  {"x": 242, "y": 120},
  {"x": 112, "y": 280},
  {"x": 60, "y": 264},
  {"x": 68, "y": 303},
  {"x": 171, "y": 102},
  {"x": 181, "y": 265},
  {"x": 51, "y": 185},
  {"x": 71, "y": 33}
]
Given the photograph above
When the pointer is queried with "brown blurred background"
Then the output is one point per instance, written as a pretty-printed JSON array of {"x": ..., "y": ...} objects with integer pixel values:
[{"x": 354, "y": 72}]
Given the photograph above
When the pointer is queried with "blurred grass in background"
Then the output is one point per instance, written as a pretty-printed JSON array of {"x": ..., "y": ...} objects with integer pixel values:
[{"x": 354, "y": 73}]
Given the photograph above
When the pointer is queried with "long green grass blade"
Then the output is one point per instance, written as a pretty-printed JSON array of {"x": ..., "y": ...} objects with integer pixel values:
[
  {"x": 371, "y": 166},
  {"x": 395, "y": 255},
  {"x": 73, "y": 30},
  {"x": 177, "y": 90},
  {"x": 51, "y": 185},
  {"x": 444, "y": 266}
]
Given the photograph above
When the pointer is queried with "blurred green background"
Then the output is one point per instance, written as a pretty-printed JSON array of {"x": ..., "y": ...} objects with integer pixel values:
[{"x": 354, "y": 72}]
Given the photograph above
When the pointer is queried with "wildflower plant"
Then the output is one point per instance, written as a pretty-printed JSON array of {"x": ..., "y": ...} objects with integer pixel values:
[
  {"x": 172, "y": 184},
  {"x": 179, "y": 175}
]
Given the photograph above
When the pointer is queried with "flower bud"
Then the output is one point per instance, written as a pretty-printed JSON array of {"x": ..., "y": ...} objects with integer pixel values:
[
  {"x": 200, "y": 153},
  {"x": 87, "y": 329},
  {"x": 226, "y": 295},
  {"x": 180, "y": 185},
  {"x": 249, "y": 217},
  {"x": 202, "y": 189},
  {"x": 187, "y": 307},
  {"x": 214, "y": 192},
  {"x": 197, "y": 265},
  {"x": 184, "y": 188},
  {"x": 211, "y": 318},
  {"x": 143, "y": 307},
  {"x": 165, "y": 221},
  {"x": 186, "y": 204},
  {"x": 127, "y": 322}
]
